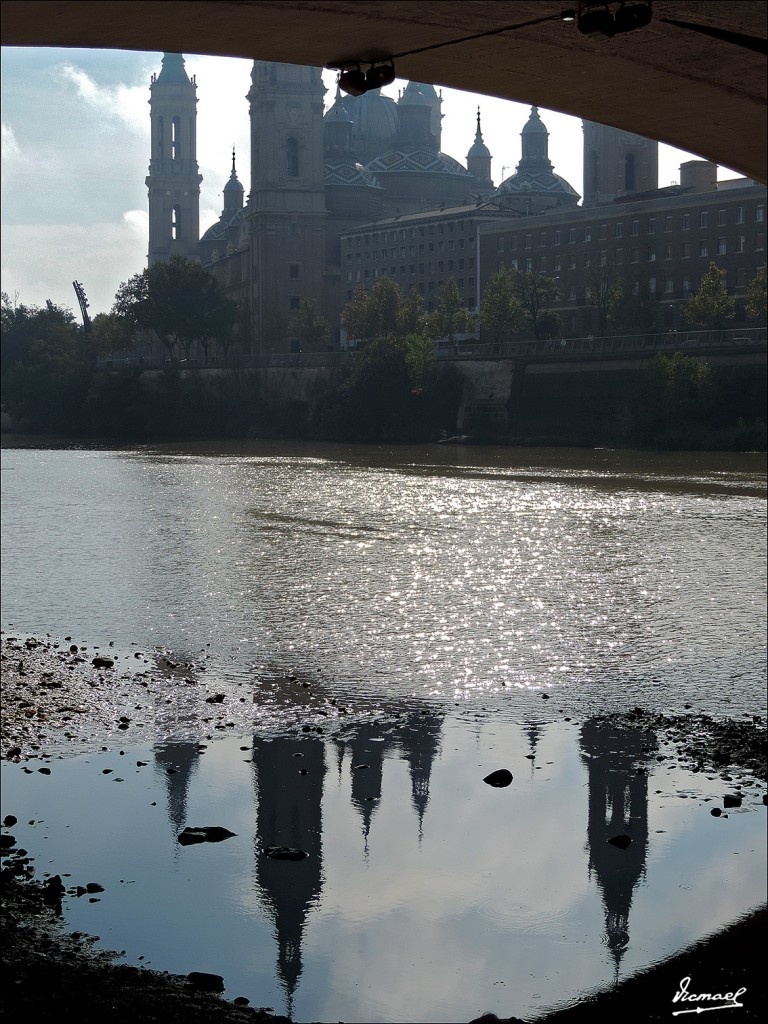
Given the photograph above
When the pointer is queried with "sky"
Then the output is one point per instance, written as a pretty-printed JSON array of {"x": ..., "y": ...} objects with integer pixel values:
[{"x": 75, "y": 154}]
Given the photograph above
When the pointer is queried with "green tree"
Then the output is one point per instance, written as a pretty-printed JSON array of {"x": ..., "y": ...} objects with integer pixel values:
[
  {"x": 110, "y": 334},
  {"x": 382, "y": 312},
  {"x": 44, "y": 378},
  {"x": 604, "y": 291},
  {"x": 677, "y": 394},
  {"x": 451, "y": 316},
  {"x": 757, "y": 299},
  {"x": 711, "y": 305},
  {"x": 309, "y": 327},
  {"x": 536, "y": 292},
  {"x": 633, "y": 308},
  {"x": 501, "y": 312},
  {"x": 179, "y": 301}
]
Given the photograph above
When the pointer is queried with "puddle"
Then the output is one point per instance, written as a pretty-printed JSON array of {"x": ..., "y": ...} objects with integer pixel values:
[{"x": 425, "y": 893}]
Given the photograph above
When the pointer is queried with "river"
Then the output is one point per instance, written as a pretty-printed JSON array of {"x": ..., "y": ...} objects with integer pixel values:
[{"x": 443, "y": 594}]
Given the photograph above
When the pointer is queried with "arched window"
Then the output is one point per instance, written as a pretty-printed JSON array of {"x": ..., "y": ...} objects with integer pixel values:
[
  {"x": 629, "y": 172},
  {"x": 176, "y": 223},
  {"x": 292, "y": 158},
  {"x": 175, "y": 139}
]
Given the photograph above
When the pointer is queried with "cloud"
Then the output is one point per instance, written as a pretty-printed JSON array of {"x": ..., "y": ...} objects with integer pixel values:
[
  {"x": 121, "y": 104},
  {"x": 12, "y": 156},
  {"x": 41, "y": 261}
]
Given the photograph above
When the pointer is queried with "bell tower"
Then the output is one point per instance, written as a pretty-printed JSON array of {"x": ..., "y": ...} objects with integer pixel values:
[
  {"x": 173, "y": 182},
  {"x": 617, "y": 163},
  {"x": 286, "y": 207}
]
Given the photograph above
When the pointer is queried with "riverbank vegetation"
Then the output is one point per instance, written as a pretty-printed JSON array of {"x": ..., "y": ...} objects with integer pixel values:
[{"x": 393, "y": 388}]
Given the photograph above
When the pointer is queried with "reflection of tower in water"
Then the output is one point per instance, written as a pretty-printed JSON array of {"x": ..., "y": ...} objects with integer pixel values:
[
  {"x": 618, "y": 806},
  {"x": 289, "y": 813},
  {"x": 289, "y": 779},
  {"x": 178, "y": 762}
]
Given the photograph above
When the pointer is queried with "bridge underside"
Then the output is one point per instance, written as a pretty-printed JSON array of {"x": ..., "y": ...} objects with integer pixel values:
[{"x": 694, "y": 77}]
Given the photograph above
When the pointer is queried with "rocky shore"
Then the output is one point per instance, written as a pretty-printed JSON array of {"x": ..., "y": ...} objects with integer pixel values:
[{"x": 56, "y": 693}]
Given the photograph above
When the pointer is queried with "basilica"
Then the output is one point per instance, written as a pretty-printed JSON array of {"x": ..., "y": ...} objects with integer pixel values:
[{"x": 360, "y": 191}]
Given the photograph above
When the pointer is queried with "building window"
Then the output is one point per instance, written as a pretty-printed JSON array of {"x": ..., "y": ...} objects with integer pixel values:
[
  {"x": 528, "y": 241},
  {"x": 619, "y": 256},
  {"x": 721, "y": 247},
  {"x": 542, "y": 238},
  {"x": 571, "y": 262},
  {"x": 635, "y": 228},
  {"x": 759, "y": 241},
  {"x": 760, "y": 214},
  {"x": 652, "y": 286},
  {"x": 741, "y": 243},
  {"x": 651, "y": 255},
  {"x": 686, "y": 286},
  {"x": 587, "y": 262},
  {"x": 175, "y": 139},
  {"x": 588, "y": 233},
  {"x": 571, "y": 236},
  {"x": 501, "y": 245},
  {"x": 721, "y": 218},
  {"x": 572, "y": 295},
  {"x": 603, "y": 230},
  {"x": 741, "y": 277},
  {"x": 619, "y": 229},
  {"x": 635, "y": 255},
  {"x": 739, "y": 214},
  {"x": 293, "y": 302},
  {"x": 542, "y": 264},
  {"x": 529, "y": 265},
  {"x": 685, "y": 251},
  {"x": 557, "y": 236},
  {"x": 293, "y": 271},
  {"x": 651, "y": 225},
  {"x": 603, "y": 258},
  {"x": 669, "y": 286},
  {"x": 176, "y": 223},
  {"x": 558, "y": 263},
  {"x": 668, "y": 222},
  {"x": 703, "y": 249},
  {"x": 292, "y": 158},
  {"x": 667, "y": 250},
  {"x": 704, "y": 219},
  {"x": 686, "y": 222}
]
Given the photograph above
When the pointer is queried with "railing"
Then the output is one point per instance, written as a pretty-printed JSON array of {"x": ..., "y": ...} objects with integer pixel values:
[
  {"x": 620, "y": 344},
  {"x": 549, "y": 349}
]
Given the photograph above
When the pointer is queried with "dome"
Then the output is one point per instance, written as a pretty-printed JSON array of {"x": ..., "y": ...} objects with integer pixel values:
[
  {"x": 349, "y": 173},
  {"x": 544, "y": 183},
  {"x": 375, "y": 124},
  {"x": 338, "y": 113},
  {"x": 478, "y": 147},
  {"x": 534, "y": 123},
  {"x": 417, "y": 161}
]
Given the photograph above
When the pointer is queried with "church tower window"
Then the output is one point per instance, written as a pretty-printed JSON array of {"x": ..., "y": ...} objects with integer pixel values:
[
  {"x": 176, "y": 223},
  {"x": 175, "y": 138},
  {"x": 292, "y": 158}
]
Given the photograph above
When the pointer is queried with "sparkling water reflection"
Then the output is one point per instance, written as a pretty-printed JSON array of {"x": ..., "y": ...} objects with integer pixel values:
[{"x": 429, "y": 598}]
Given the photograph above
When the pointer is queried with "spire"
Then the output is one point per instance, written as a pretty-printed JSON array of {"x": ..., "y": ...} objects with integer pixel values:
[
  {"x": 233, "y": 190},
  {"x": 479, "y": 160},
  {"x": 172, "y": 72}
]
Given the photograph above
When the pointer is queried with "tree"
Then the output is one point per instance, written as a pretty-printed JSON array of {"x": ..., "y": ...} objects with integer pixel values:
[
  {"x": 756, "y": 296},
  {"x": 535, "y": 293},
  {"x": 109, "y": 335},
  {"x": 501, "y": 312},
  {"x": 451, "y": 316},
  {"x": 309, "y": 327},
  {"x": 179, "y": 301},
  {"x": 604, "y": 291},
  {"x": 382, "y": 312},
  {"x": 633, "y": 307},
  {"x": 711, "y": 305}
]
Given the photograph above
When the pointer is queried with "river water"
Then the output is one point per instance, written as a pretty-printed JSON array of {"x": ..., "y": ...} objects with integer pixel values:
[{"x": 467, "y": 608}]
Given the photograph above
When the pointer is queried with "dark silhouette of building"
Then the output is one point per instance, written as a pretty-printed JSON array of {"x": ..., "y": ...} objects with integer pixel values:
[{"x": 616, "y": 760}]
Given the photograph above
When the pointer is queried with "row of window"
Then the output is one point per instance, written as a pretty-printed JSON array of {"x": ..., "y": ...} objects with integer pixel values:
[
  {"x": 430, "y": 289},
  {"x": 684, "y": 287},
  {"x": 687, "y": 250},
  {"x": 422, "y": 249},
  {"x": 573, "y": 235},
  {"x": 436, "y": 266},
  {"x": 445, "y": 228}
]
